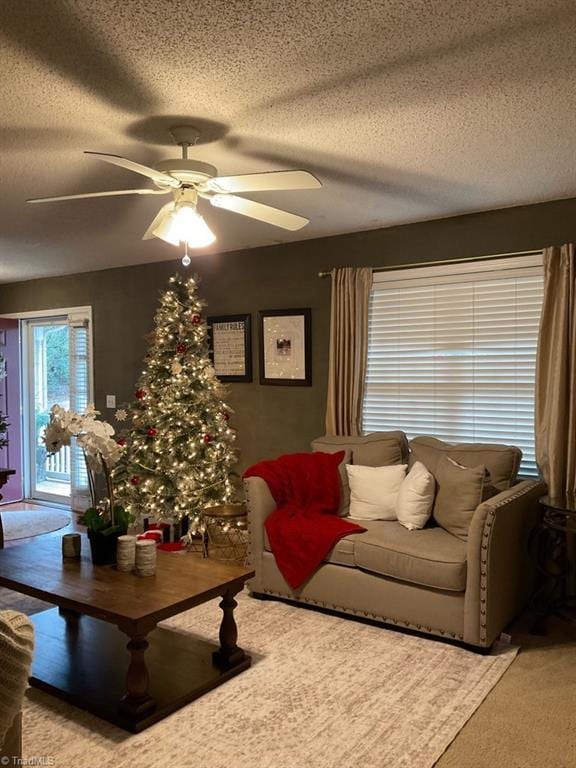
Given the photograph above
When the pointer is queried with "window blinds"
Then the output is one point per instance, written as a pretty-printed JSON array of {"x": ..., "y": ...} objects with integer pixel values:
[
  {"x": 452, "y": 351},
  {"x": 79, "y": 346}
]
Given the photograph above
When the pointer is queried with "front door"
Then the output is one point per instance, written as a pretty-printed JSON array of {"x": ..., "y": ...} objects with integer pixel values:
[
  {"x": 10, "y": 398},
  {"x": 48, "y": 383}
]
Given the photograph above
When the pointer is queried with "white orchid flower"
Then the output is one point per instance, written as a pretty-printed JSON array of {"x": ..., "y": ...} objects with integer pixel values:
[
  {"x": 94, "y": 437},
  {"x": 99, "y": 428},
  {"x": 55, "y": 437}
]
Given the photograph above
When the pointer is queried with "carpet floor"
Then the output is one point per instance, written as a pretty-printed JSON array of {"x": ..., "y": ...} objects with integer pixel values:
[
  {"x": 527, "y": 721},
  {"x": 323, "y": 692},
  {"x": 25, "y": 523}
]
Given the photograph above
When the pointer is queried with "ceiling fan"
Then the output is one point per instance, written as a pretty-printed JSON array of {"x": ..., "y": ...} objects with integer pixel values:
[{"x": 187, "y": 180}]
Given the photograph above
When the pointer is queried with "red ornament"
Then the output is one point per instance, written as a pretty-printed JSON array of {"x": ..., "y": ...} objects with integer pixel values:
[
  {"x": 140, "y": 393},
  {"x": 196, "y": 319},
  {"x": 121, "y": 441},
  {"x": 135, "y": 480},
  {"x": 207, "y": 439},
  {"x": 181, "y": 348},
  {"x": 226, "y": 416},
  {"x": 151, "y": 432}
]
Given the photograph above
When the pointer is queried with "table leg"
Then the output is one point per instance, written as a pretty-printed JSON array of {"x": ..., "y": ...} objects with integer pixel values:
[
  {"x": 3, "y": 480},
  {"x": 137, "y": 700},
  {"x": 72, "y": 619},
  {"x": 549, "y": 549},
  {"x": 229, "y": 654}
]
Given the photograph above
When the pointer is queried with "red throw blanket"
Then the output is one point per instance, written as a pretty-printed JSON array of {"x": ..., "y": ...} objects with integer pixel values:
[{"x": 305, "y": 526}]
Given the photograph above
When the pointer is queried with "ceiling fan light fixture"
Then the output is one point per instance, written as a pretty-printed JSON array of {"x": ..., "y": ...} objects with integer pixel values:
[
  {"x": 164, "y": 230},
  {"x": 185, "y": 225}
]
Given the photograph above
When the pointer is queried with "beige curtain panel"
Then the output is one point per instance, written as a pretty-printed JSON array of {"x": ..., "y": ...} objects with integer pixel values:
[
  {"x": 555, "y": 419},
  {"x": 348, "y": 350}
]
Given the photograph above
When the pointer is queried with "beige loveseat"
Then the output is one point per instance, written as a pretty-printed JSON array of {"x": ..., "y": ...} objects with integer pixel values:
[{"x": 427, "y": 580}]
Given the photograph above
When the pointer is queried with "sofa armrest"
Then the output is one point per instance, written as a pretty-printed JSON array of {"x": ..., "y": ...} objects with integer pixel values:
[
  {"x": 501, "y": 572},
  {"x": 260, "y": 504}
]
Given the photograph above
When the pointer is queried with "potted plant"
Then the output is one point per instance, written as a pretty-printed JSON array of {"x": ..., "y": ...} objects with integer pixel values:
[
  {"x": 103, "y": 530},
  {"x": 104, "y": 519}
]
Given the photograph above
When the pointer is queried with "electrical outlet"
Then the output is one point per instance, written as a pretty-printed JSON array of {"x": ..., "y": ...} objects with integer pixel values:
[{"x": 110, "y": 401}]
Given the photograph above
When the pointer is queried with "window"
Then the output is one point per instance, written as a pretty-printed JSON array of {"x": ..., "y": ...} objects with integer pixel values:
[
  {"x": 452, "y": 352},
  {"x": 80, "y": 389}
]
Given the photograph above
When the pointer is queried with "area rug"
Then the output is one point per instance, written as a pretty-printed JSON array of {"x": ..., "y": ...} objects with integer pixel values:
[
  {"x": 323, "y": 692},
  {"x": 23, "y": 523}
]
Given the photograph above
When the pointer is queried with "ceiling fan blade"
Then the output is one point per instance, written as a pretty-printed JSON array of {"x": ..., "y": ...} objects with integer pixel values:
[
  {"x": 162, "y": 213},
  {"x": 263, "y": 182},
  {"x": 260, "y": 211},
  {"x": 111, "y": 193},
  {"x": 144, "y": 170}
]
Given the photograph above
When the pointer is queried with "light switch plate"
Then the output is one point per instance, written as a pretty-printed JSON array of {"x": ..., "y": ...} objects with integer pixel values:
[{"x": 110, "y": 401}]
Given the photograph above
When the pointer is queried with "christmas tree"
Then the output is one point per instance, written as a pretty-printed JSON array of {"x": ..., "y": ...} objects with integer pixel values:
[{"x": 178, "y": 454}]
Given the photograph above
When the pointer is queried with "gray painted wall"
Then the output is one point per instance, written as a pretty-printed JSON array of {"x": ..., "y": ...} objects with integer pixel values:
[{"x": 272, "y": 419}]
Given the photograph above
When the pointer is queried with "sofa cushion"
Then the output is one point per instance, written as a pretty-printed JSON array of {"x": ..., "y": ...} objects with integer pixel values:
[
  {"x": 342, "y": 553},
  {"x": 459, "y": 494},
  {"x": 501, "y": 461},
  {"x": 431, "y": 557},
  {"x": 378, "y": 449},
  {"x": 416, "y": 497},
  {"x": 374, "y": 490}
]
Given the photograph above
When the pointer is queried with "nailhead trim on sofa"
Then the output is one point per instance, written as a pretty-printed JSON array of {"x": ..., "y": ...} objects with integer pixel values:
[
  {"x": 485, "y": 549},
  {"x": 248, "y": 522},
  {"x": 375, "y": 616}
]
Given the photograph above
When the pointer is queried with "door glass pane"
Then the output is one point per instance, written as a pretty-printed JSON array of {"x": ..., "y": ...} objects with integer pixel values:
[{"x": 51, "y": 385}]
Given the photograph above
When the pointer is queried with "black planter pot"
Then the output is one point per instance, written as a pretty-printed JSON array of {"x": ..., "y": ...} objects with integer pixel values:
[{"x": 103, "y": 548}]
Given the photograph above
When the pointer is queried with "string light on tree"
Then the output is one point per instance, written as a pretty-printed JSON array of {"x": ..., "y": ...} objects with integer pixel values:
[{"x": 178, "y": 457}]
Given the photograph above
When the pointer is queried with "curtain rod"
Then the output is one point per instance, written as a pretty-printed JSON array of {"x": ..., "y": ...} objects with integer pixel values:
[{"x": 448, "y": 261}]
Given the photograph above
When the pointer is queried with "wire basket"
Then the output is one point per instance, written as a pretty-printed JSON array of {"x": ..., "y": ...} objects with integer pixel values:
[{"x": 227, "y": 534}]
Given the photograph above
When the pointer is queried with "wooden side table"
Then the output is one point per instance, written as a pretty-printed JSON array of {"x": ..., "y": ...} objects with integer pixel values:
[
  {"x": 227, "y": 533},
  {"x": 554, "y": 548},
  {"x": 4, "y": 475}
]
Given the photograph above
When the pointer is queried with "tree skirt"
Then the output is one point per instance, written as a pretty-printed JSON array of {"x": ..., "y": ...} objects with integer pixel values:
[
  {"x": 23, "y": 523},
  {"x": 323, "y": 691}
]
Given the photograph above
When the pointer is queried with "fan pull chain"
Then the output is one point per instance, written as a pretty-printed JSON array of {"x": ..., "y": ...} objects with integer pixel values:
[{"x": 186, "y": 258}]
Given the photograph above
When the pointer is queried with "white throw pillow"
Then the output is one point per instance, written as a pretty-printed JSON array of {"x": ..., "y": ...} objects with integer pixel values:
[
  {"x": 416, "y": 498},
  {"x": 373, "y": 491}
]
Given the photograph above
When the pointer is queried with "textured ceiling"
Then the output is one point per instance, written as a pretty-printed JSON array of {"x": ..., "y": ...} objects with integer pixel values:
[{"x": 405, "y": 109}]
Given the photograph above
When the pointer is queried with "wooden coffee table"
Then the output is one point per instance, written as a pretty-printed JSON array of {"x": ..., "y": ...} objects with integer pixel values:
[{"x": 80, "y": 652}]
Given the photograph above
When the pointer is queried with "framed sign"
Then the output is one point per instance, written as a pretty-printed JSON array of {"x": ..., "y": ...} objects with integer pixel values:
[
  {"x": 285, "y": 347},
  {"x": 231, "y": 347}
]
